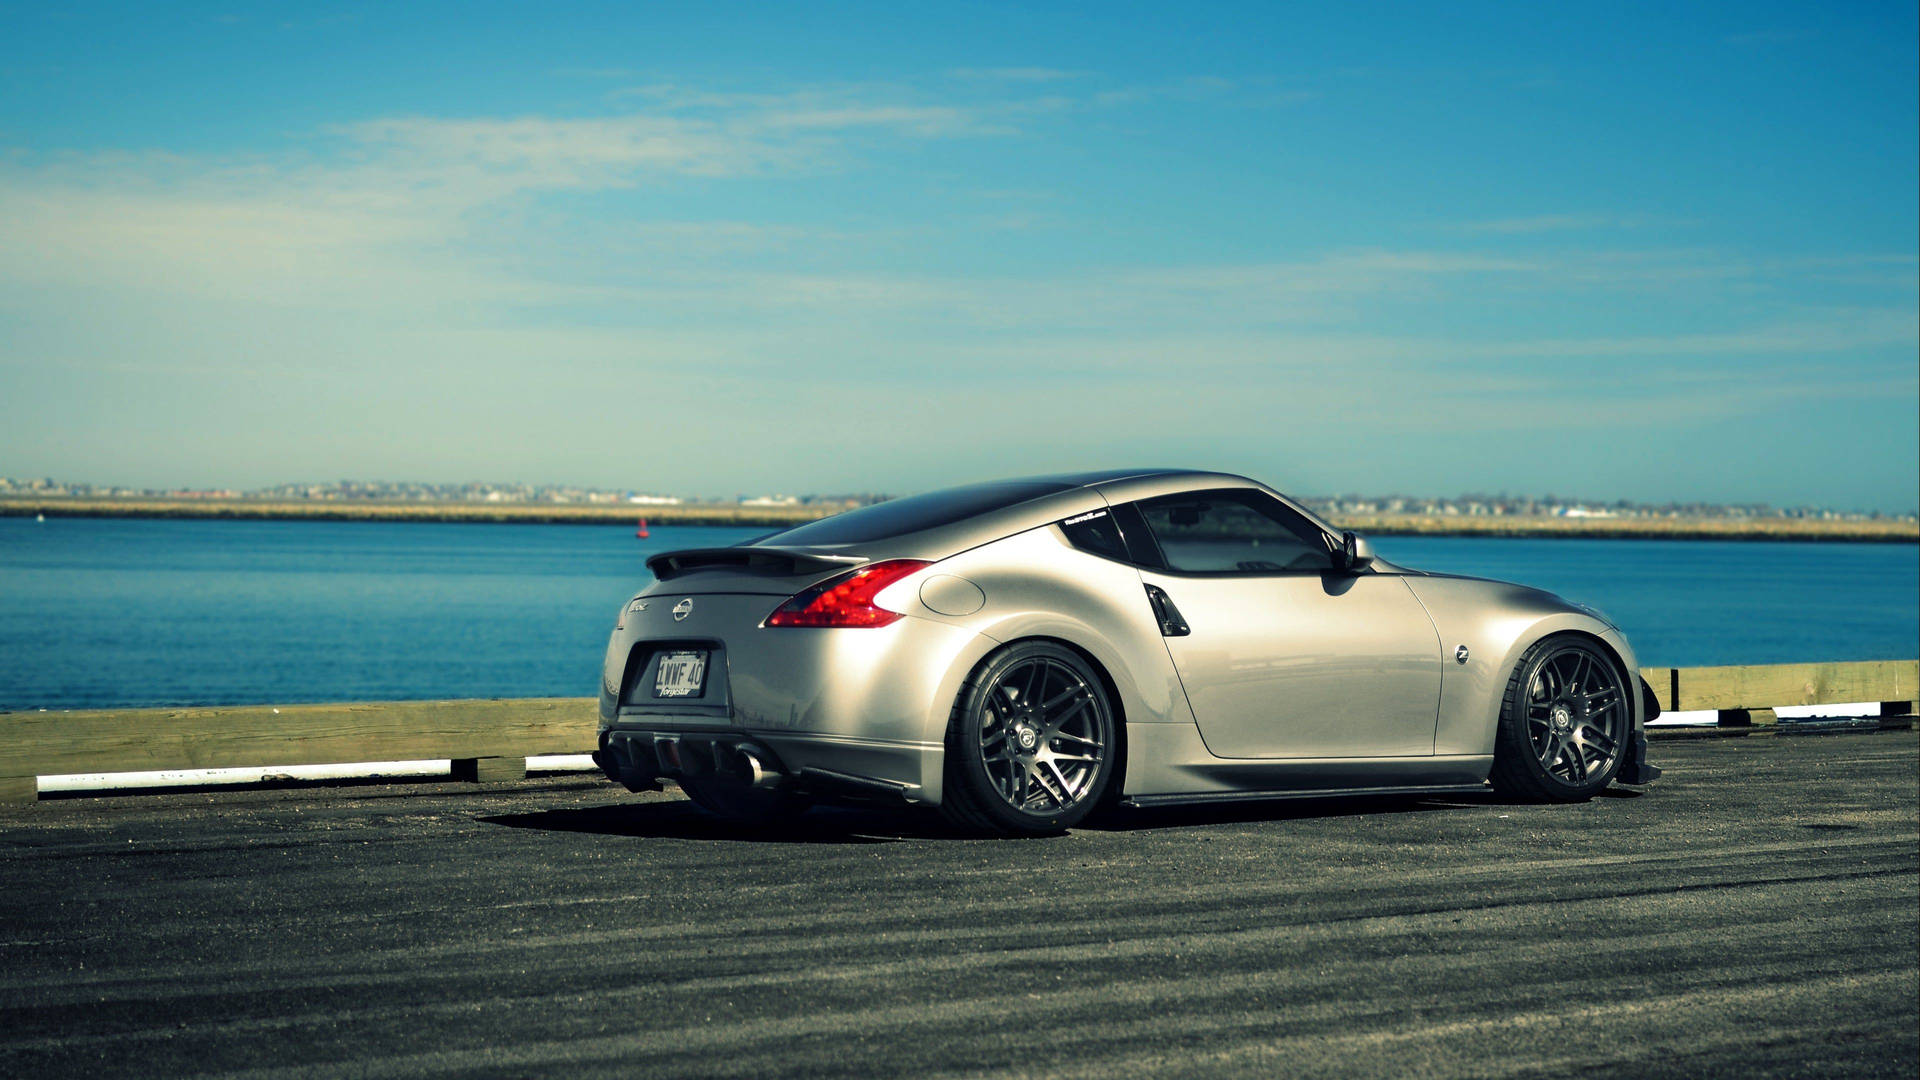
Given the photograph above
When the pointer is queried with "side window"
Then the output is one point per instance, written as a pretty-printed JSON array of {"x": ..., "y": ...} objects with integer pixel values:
[
  {"x": 1234, "y": 532},
  {"x": 1095, "y": 533}
]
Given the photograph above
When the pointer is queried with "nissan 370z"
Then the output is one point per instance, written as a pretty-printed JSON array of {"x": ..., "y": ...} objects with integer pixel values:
[{"x": 1024, "y": 652}]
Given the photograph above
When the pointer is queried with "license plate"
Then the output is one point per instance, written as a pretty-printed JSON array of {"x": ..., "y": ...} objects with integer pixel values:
[{"x": 681, "y": 674}]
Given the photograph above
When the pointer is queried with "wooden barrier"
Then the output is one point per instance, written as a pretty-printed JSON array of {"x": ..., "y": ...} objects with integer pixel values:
[
  {"x": 487, "y": 740},
  {"x": 1747, "y": 696},
  {"x": 490, "y": 740}
]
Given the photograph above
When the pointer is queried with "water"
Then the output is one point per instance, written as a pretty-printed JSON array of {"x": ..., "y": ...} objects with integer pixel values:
[{"x": 110, "y": 613}]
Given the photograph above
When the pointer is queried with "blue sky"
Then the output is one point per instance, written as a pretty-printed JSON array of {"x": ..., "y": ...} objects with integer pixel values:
[{"x": 1610, "y": 251}]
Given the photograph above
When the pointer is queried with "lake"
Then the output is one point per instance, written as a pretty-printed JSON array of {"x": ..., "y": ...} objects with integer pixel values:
[{"x": 101, "y": 612}]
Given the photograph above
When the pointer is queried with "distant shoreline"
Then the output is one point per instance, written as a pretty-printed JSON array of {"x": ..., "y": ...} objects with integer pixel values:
[{"x": 1757, "y": 529}]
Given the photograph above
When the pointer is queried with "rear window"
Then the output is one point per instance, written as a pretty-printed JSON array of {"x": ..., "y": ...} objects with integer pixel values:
[{"x": 898, "y": 517}]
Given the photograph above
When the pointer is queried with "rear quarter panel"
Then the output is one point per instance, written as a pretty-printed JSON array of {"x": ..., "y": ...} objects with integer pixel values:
[{"x": 1036, "y": 585}]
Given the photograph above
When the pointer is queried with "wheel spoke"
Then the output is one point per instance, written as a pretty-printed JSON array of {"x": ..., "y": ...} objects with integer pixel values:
[
  {"x": 1066, "y": 788},
  {"x": 1055, "y": 701},
  {"x": 1055, "y": 724},
  {"x": 1599, "y": 739},
  {"x": 1561, "y": 674},
  {"x": 1081, "y": 739},
  {"x": 1036, "y": 682},
  {"x": 1042, "y": 782}
]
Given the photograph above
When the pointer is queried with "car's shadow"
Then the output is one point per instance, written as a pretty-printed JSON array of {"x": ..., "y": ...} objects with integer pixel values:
[
  {"x": 1129, "y": 819},
  {"x": 681, "y": 820},
  {"x": 1303, "y": 808}
]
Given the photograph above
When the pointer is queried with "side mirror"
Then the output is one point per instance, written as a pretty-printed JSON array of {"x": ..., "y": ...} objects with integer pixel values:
[{"x": 1356, "y": 552}]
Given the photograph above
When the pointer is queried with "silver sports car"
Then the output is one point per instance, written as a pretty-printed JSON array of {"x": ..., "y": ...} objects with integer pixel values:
[{"x": 1024, "y": 652}]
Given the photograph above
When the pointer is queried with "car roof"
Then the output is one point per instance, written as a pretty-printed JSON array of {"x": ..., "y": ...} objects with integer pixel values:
[
  {"x": 1069, "y": 494},
  {"x": 1099, "y": 477}
]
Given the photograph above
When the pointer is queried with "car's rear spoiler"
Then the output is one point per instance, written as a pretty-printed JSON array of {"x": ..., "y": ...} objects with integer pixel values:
[{"x": 770, "y": 561}]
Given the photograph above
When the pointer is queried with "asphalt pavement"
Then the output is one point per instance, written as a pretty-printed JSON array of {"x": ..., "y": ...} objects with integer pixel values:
[{"x": 1756, "y": 913}]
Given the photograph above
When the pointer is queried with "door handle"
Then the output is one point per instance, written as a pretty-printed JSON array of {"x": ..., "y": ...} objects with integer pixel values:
[{"x": 1172, "y": 623}]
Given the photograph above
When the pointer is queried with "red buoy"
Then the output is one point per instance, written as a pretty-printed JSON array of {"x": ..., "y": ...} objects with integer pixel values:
[{"x": 641, "y": 532}]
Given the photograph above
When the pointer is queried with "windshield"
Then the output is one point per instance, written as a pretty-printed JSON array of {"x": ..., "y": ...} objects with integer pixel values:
[{"x": 898, "y": 517}]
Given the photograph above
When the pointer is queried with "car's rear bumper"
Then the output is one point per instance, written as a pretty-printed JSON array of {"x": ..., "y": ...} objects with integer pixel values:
[
  {"x": 642, "y": 755},
  {"x": 893, "y": 685}
]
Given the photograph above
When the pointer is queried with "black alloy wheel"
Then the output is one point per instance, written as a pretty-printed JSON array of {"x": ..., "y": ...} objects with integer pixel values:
[
  {"x": 1563, "y": 722},
  {"x": 1031, "y": 744}
]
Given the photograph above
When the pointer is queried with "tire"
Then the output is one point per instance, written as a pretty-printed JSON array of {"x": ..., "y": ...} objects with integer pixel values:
[
  {"x": 1031, "y": 744},
  {"x": 1564, "y": 722},
  {"x": 745, "y": 805}
]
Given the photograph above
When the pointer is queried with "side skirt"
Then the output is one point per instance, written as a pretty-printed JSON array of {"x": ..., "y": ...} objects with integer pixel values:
[
  {"x": 1170, "y": 760},
  {"x": 1144, "y": 801}
]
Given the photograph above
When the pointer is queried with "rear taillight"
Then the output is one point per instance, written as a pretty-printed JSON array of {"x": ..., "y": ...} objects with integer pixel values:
[{"x": 846, "y": 600}]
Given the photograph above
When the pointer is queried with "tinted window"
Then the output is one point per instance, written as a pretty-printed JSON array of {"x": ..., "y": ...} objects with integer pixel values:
[
  {"x": 1215, "y": 532},
  {"x": 898, "y": 517},
  {"x": 1095, "y": 533}
]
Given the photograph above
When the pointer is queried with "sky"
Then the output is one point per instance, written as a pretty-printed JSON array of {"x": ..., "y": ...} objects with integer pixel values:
[{"x": 1653, "y": 252}]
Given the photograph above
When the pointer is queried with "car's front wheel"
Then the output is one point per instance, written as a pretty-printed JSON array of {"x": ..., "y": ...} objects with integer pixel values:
[
  {"x": 1563, "y": 722},
  {"x": 1031, "y": 745}
]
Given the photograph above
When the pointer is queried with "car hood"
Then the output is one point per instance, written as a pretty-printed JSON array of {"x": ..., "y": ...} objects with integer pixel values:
[{"x": 1509, "y": 594}]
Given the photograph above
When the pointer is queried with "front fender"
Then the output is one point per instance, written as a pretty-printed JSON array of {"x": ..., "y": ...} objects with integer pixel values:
[{"x": 1496, "y": 622}]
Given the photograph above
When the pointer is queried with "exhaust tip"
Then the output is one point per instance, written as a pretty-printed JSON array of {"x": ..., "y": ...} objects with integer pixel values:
[{"x": 751, "y": 768}]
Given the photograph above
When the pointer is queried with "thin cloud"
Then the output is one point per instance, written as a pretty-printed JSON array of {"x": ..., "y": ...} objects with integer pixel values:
[
  {"x": 550, "y": 152},
  {"x": 595, "y": 73},
  {"x": 1548, "y": 223},
  {"x": 1017, "y": 74},
  {"x": 419, "y": 251},
  {"x": 928, "y": 120},
  {"x": 1258, "y": 93},
  {"x": 1843, "y": 331}
]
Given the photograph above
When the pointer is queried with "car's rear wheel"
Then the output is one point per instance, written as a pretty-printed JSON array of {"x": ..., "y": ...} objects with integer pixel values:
[
  {"x": 748, "y": 806},
  {"x": 1031, "y": 745},
  {"x": 1563, "y": 722}
]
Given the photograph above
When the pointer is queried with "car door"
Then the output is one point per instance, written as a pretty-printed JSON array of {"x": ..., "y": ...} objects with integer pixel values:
[{"x": 1283, "y": 656}]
